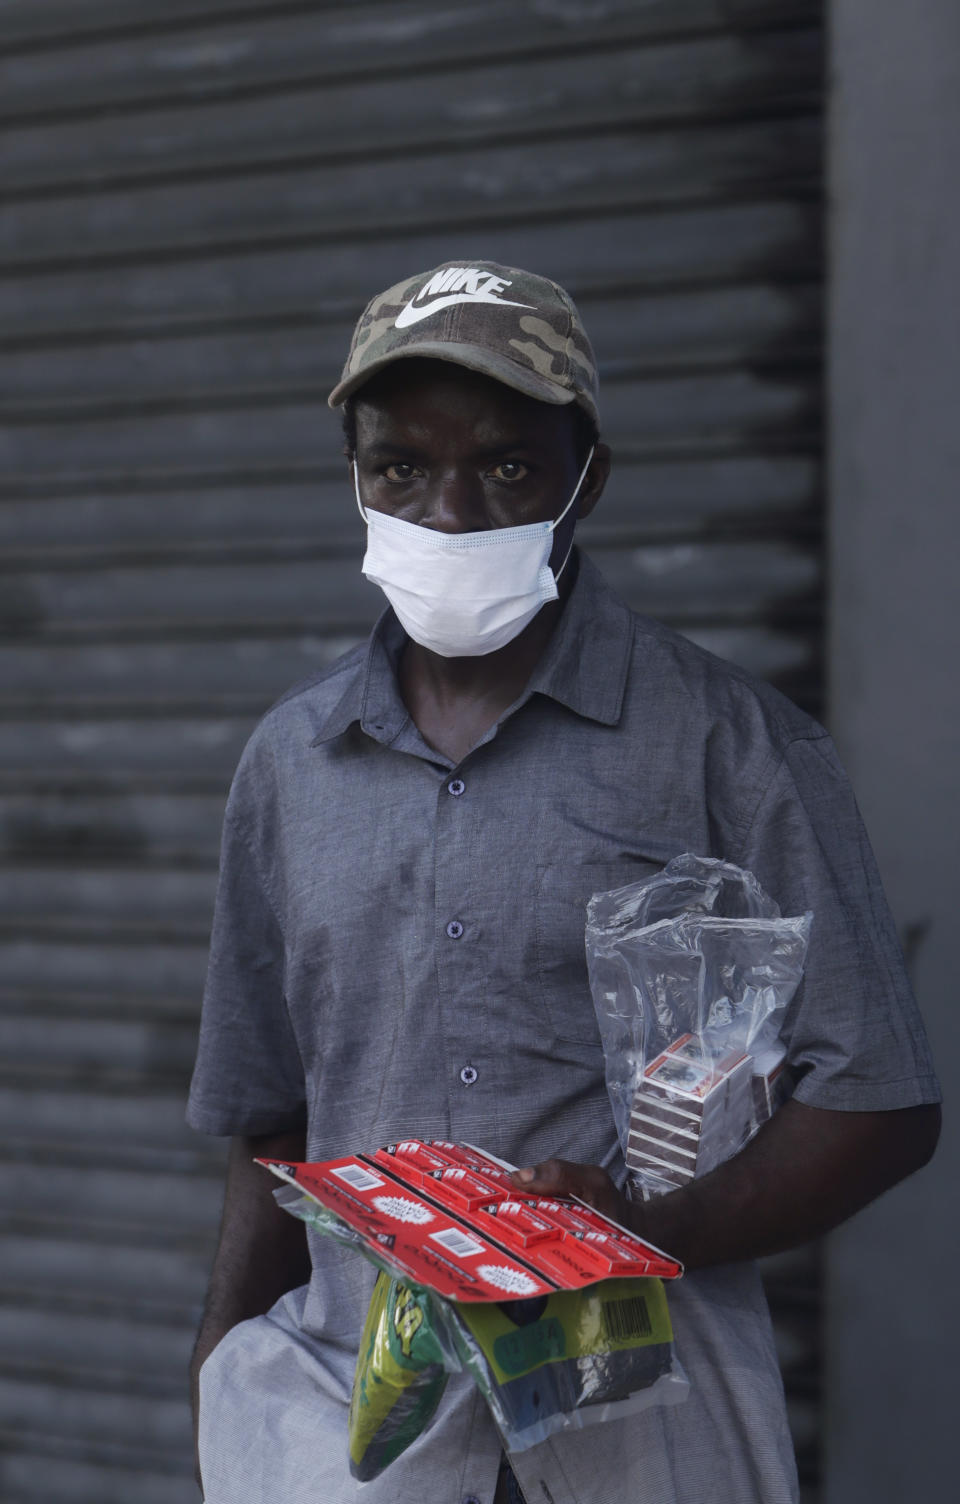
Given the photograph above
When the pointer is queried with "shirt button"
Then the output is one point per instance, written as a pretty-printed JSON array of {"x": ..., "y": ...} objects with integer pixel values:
[
  {"x": 456, "y": 787},
  {"x": 468, "y": 1075},
  {"x": 454, "y": 929}
]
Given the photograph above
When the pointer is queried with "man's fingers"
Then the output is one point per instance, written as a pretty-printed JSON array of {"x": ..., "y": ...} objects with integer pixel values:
[
  {"x": 550, "y": 1176},
  {"x": 561, "y": 1177}
]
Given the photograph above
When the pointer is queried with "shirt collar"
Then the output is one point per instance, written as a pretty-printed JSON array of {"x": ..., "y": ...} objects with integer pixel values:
[
  {"x": 372, "y": 697},
  {"x": 587, "y": 658},
  {"x": 584, "y": 666}
]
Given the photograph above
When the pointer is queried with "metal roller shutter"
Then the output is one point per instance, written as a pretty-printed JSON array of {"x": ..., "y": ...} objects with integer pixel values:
[{"x": 199, "y": 198}]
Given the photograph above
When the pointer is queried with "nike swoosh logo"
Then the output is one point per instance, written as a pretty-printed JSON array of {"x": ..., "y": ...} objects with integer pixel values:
[{"x": 413, "y": 315}]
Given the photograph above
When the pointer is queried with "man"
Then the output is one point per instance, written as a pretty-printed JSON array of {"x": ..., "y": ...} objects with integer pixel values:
[{"x": 410, "y": 842}]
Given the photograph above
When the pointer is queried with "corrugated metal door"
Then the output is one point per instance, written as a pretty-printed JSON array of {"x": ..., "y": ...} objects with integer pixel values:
[{"x": 199, "y": 198}]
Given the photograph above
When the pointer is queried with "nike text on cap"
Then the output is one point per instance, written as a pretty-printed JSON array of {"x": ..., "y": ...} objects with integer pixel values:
[{"x": 518, "y": 328}]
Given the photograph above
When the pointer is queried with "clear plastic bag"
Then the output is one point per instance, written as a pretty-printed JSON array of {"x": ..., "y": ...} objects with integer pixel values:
[
  {"x": 691, "y": 971},
  {"x": 552, "y": 1363}
]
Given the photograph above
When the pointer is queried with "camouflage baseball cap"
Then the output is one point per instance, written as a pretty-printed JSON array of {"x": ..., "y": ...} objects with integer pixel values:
[{"x": 518, "y": 328}]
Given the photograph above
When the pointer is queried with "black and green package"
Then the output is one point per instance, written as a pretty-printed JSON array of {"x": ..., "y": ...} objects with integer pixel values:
[{"x": 571, "y": 1358}]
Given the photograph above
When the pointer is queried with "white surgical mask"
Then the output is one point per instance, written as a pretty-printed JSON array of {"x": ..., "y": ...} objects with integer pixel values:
[{"x": 462, "y": 594}]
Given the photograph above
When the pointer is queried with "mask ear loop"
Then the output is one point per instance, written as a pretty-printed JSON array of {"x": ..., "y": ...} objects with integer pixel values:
[
  {"x": 356, "y": 490},
  {"x": 558, "y": 520}
]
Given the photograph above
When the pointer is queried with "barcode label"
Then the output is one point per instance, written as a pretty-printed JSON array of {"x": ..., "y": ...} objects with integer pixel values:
[
  {"x": 358, "y": 1177},
  {"x": 456, "y": 1242},
  {"x": 623, "y": 1319}
]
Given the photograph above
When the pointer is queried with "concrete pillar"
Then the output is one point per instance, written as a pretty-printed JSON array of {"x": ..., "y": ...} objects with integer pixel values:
[{"x": 893, "y": 1283}]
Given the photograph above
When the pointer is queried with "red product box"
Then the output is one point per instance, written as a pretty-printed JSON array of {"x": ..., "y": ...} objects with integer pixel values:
[
  {"x": 517, "y": 1225},
  {"x": 463, "y": 1230},
  {"x": 622, "y": 1258},
  {"x": 464, "y": 1154},
  {"x": 570, "y": 1216},
  {"x": 418, "y": 1160},
  {"x": 574, "y": 1265},
  {"x": 459, "y": 1187}
]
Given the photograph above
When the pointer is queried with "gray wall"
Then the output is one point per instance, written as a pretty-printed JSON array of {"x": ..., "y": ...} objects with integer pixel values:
[
  {"x": 200, "y": 195},
  {"x": 894, "y": 1296}
]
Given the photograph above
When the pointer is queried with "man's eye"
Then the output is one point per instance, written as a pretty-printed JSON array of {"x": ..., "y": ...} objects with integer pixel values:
[
  {"x": 399, "y": 472},
  {"x": 509, "y": 470}
]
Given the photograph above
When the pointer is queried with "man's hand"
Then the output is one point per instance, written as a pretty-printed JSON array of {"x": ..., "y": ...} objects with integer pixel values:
[
  {"x": 561, "y": 1177},
  {"x": 804, "y": 1173}
]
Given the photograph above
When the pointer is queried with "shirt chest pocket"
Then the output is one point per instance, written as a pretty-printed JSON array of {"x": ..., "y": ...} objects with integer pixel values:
[{"x": 563, "y": 892}]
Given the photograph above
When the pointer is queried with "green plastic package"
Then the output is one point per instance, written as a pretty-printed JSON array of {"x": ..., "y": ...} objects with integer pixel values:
[{"x": 400, "y": 1376}]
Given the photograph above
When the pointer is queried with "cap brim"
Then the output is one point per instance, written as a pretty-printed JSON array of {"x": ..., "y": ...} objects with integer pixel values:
[{"x": 474, "y": 358}]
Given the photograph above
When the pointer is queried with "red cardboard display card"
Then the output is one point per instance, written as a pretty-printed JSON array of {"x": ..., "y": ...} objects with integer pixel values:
[{"x": 448, "y": 1217}]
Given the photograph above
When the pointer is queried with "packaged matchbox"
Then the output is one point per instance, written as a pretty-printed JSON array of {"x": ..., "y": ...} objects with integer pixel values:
[{"x": 690, "y": 1112}]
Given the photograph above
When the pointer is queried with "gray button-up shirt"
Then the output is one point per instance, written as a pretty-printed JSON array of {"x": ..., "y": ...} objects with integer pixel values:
[{"x": 398, "y": 950}]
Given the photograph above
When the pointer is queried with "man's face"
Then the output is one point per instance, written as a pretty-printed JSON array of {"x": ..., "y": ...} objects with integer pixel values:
[{"x": 446, "y": 448}]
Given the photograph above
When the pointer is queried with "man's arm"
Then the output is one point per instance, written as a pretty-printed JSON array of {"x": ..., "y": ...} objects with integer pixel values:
[
  {"x": 262, "y": 1252},
  {"x": 803, "y": 1173}
]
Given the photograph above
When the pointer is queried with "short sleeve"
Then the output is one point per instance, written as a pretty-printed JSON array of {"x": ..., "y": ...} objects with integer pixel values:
[
  {"x": 248, "y": 1077},
  {"x": 855, "y": 1038}
]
